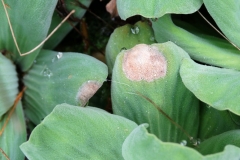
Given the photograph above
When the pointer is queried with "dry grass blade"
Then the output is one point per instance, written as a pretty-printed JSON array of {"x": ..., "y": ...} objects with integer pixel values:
[
  {"x": 19, "y": 96},
  {"x": 14, "y": 38},
  {"x": 4, "y": 154}
]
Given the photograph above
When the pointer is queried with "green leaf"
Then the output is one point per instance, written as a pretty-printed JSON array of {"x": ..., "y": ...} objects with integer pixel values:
[
  {"x": 14, "y": 134},
  {"x": 218, "y": 87},
  {"x": 145, "y": 80},
  {"x": 217, "y": 143},
  {"x": 203, "y": 48},
  {"x": 8, "y": 84},
  {"x": 126, "y": 37},
  {"x": 156, "y": 8},
  {"x": 226, "y": 15},
  {"x": 214, "y": 122},
  {"x": 85, "y": 133},
  {"x": 58, "y": 77},
  {"x": 141, "y": 145},
  {"x": 30, "y": 22},
  {"x": 67, "y": 5}
]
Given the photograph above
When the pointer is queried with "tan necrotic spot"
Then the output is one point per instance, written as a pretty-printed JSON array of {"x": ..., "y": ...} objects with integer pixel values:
[
  {"x": 86, "y": 91},
  {"x": 144, "y": 62}
]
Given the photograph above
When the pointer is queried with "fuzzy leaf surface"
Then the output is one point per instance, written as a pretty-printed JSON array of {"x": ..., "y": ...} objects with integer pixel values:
[
  {"x": 142, "y": 145},
  {"x": 203, "y": 48},
  {"x": 54, "y": 80},
  {"x": 8, "y": 84},
  {"x": 30, "y": 22},
  {"x": 217, "y": 143},
  {"x": 218, "y": 87},
  {"x": 213, "y": 122},
  {"x": 226, "y": 16},
  {"x": 126, "y": 37},
  {"x": 168, "y": 93},
  {"x": 14, "y": 134},
  {"x": 85, "y": 133},
  {"x": 156, "y": 8}
]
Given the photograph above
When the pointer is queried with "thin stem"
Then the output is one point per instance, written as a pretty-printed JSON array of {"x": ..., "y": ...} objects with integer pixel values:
[
  {"x": 5, "y": 155},
  {"x": 167, "y": 116},
  {"x": 218, "y": 31}
]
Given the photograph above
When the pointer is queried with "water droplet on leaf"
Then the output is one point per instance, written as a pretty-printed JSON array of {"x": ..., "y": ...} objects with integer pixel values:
[
  {"x": 135, "y": 30},
  {"x": 46, "y": 72},
  {"x": 57, "y": 57},
  {"x": 183, "y": 143}
]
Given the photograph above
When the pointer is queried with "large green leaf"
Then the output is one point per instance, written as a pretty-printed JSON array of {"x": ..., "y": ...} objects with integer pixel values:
[
  {"x": 149, "y": 74},
  {"x": 8, "y": 84},
  {"x": 156, "y": 8},
  {"x": 30, "y": 22},
  {"x": 14, "y": 134},
  {"x": 58, "y": 77},
  {"x": 141, "y": 145},
  {"x": 217, "y": 143},
  {"x": 200, "y": 47},
  {"x": 84, "y": 133},
  {"x": 213, "y": 122},
  {"x": 226, "y": 15},
  {"x": 64, "y": 7},
  {"x": 218, "y": 87},
  {"x": 126, "y": 37}
]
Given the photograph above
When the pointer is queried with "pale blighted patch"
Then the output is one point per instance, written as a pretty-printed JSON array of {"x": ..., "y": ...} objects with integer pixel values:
[
  {"x": 144, "y": 62},
  {"x": 86, "y": 91}
]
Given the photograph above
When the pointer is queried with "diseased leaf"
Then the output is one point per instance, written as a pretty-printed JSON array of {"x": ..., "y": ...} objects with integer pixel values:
[{"x": 58, "y": 77}]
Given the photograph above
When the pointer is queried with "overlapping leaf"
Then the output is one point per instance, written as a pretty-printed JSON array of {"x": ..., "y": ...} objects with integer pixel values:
[
  {"x": 203, "y": 48},
  {"x": 58, "y": 77},
  {"x": 156, "y": 8},
  {"x": 140, "y": 99},
  {"x": 218, "y": 87},
  {"x": 8, "y": 84},
  {"x": 85, "y": 133},
  {"x": 30, "y": 22},
  {"x": 141, "y": 145},
  {"x": 13, "y": 135}
]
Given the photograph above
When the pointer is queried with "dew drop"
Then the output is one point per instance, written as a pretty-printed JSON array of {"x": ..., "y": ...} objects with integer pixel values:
[
  {"x": 183, "y": 143},
  {"x": 57, "y": 57},
  {"x": 195, "y": 142},
  {"x": 46, "y": 72},
  {"x": 135, "y": 30}
]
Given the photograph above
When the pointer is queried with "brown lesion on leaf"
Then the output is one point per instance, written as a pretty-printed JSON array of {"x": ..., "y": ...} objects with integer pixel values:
[
  {"x": 144, "y": 62},
  {"x": 86, "y": 91}
]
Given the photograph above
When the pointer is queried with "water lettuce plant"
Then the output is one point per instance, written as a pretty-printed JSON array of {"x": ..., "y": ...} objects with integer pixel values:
[{"x": 174, "y": 86}]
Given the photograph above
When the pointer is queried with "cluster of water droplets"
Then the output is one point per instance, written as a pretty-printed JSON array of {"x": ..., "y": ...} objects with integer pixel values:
[
  {"x": 135, "y": 30},
  {"x": 193, "y": 141},
  {"x": 46, "y": 72}
]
